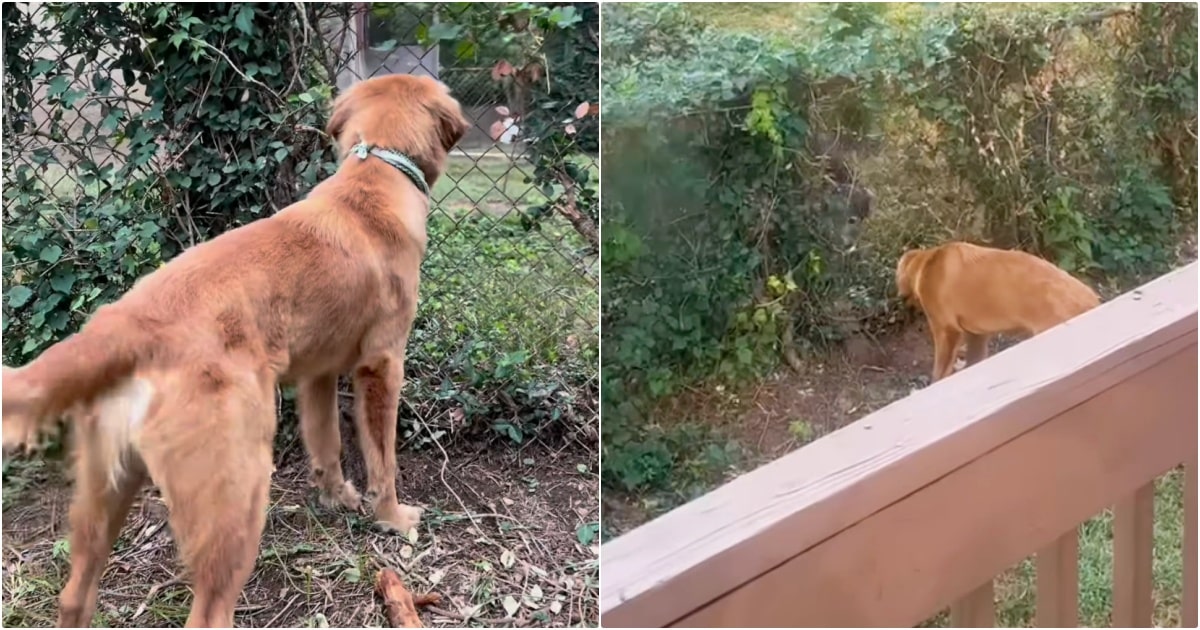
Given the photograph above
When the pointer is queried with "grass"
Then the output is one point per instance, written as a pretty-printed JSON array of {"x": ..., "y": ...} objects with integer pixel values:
[
  {"x": 491, "y": 184},
  {"x": 499, "y": 300},
  {"x": 1016, "y": 589}
]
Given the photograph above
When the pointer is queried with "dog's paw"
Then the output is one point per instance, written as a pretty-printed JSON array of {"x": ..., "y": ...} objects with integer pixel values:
[
  {"x": 343, "y": 496},
  {"x": 399, "y": 519}
]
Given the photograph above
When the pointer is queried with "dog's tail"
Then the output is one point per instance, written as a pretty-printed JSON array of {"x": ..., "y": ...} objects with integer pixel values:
[{"x": 74, "y": 370}]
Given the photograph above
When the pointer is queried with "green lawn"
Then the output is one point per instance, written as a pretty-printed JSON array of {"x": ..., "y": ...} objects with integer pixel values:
[
  {"x": 492, "y": 184},
  {"x": 1016, "y": 589}
]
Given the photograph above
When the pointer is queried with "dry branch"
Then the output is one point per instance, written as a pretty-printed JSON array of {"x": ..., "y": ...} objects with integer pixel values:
[
  {"x": 399, "y": 605},
  {"x": 569, "y": 209}
]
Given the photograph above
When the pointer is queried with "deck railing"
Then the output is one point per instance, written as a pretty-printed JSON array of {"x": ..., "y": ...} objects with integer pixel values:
[{"x": 919, "y": 505}]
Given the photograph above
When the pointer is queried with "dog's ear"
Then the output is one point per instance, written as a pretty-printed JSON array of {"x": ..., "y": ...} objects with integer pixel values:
[
  {"x": 343, "y": 108},
  {"x": 451, "y": 123}
]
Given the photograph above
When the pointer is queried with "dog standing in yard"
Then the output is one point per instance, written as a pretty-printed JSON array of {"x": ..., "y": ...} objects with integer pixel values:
[
  {"x": 175, "y": 382},
  {"x": 970, "y": 293}
]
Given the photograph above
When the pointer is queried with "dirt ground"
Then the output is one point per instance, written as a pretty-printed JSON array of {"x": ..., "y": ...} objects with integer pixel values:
[
  {"x": 508, "y": 539},
  {"x": 777, "y": 415}
]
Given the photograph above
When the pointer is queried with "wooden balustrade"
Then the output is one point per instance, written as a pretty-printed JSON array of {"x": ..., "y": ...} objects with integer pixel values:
[{"x": 919, "y": 505}]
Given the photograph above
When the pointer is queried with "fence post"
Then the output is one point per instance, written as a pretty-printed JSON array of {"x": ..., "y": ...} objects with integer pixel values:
[
  {"x": 1133, "y": 559},
  {"x": 1190, "y": 585},
  {"x": 1058, "y": 582},
  {"x": 976, "y": 609}
]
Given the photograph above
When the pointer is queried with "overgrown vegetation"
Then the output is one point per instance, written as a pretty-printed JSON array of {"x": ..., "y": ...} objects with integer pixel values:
[{"x": 1069, "y": 132}]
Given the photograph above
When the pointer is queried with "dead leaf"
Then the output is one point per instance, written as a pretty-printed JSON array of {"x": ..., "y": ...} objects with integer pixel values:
[
  {"x": 497, "y": 129},
  {"x": 406, "y": 552},
  {"x": 507, "y": 559},
  {"x": 436, "y": 576},
  {"x": 510, "y": 605},
  {"x": 555, "y": 608},
  {"x": 413, "y": 535},
  {"x": 501, "y": 69}
]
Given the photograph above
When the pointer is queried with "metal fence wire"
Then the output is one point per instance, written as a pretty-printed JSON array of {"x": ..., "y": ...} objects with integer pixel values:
[{"x": 507, "y": 335}]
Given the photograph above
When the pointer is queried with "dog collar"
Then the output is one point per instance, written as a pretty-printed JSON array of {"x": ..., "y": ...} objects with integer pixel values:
[{"x": 402, "y": 163}]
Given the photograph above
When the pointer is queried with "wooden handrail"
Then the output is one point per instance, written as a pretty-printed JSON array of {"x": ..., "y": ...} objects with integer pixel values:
[{"x": 915, "y": 506}]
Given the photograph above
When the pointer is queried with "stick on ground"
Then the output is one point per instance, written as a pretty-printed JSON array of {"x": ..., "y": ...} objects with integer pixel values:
[{"x": 398, "y": 603}]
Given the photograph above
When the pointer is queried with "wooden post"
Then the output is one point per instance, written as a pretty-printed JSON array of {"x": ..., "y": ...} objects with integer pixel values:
[
  {"x": 1133, "y": 559},
  {"x": 1189, "y": 545},
  {"x": 976, "y": 609},
  {"x": 1058, "y": 582}
]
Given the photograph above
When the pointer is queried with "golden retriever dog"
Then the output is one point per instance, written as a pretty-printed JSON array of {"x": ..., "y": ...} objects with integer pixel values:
[
  {"x": 175, "y": 382},
  {"x": 970, "y": 293}
]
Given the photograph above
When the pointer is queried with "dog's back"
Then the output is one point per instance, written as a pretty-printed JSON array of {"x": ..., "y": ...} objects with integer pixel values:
[{"x": 983, "y": 290}]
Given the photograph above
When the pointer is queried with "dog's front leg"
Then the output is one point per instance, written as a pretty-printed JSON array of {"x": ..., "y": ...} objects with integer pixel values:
[
  {"x": 977, "y": 348},
  {"x": 377, "y": 385},
  {"x": 945, "y": 346},
  {"x": 323, "y": 441}
]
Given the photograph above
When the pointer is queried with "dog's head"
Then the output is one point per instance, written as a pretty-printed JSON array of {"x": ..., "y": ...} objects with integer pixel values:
[{"x": 412, "y": 114}]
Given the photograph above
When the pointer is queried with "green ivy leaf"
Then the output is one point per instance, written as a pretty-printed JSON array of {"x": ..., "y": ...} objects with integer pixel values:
[
  {"x": 63, "y": 282},
  {"x": 51, "y": 254},
  {"x": 443, "y": 31},
  {"x": 385, "y": 46},
  {"x": 562, "y": 17},
  {"x": 19, "y": 295},
  {"x": 245, "y": 19},
  {"x": 586, "y": 533}
]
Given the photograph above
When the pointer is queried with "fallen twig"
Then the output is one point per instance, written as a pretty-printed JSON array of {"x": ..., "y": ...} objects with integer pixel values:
[{"x": 399, "y": 605}]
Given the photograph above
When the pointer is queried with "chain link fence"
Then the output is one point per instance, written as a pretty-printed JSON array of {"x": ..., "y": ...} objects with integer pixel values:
[{"x": 99, "y": 179}]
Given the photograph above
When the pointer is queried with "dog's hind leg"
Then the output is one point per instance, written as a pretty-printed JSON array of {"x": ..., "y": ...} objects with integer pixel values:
[
  {"x": 97, "y": 513},
  {"x": 376, "y": 398},
  {"x": 323, "y": 441},
  {"x": 213, "y": 463}
]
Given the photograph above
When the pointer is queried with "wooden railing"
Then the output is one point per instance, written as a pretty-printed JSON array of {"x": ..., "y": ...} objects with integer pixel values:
[{"x": 919, "y": 505}]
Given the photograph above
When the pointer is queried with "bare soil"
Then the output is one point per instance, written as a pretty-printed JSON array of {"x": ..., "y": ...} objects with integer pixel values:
[
  {"x": 502, "y": 525},
  {"x": 779, "y": 414}
]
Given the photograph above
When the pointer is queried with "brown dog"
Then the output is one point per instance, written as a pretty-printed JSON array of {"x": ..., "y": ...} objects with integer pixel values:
[
  {"x": 971, "y": 292},
  {"x": 175, "y": 382}
]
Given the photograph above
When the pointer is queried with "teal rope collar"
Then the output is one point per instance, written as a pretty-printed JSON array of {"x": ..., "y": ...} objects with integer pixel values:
[{"x": 402, "y": 163}]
